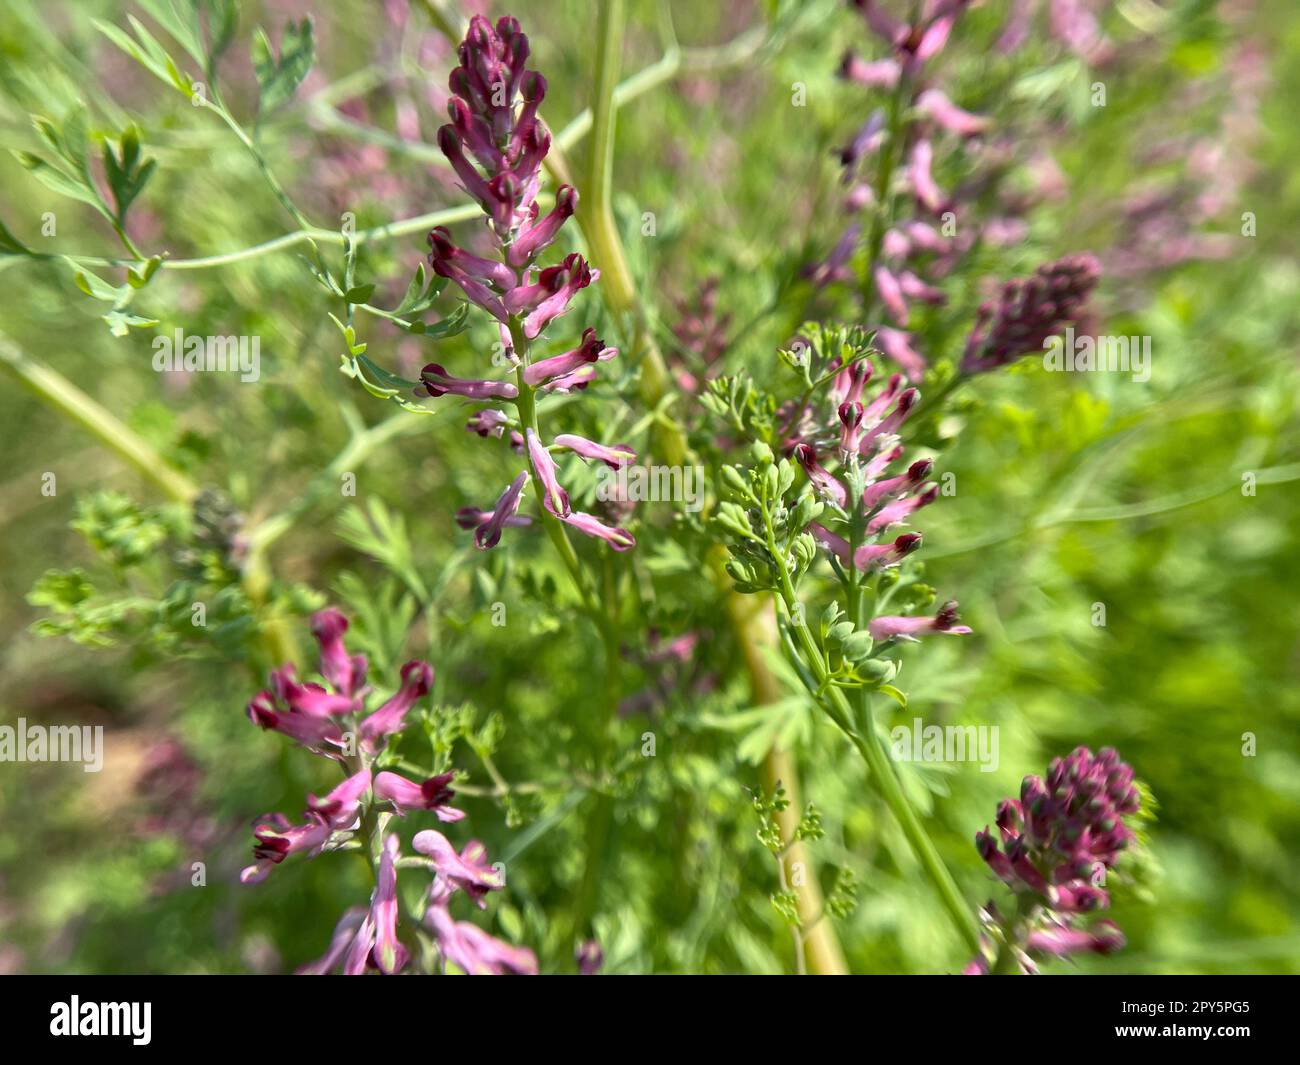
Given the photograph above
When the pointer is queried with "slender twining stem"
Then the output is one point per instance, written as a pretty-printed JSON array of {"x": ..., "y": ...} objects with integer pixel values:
[{"x": 836, "y": 706}]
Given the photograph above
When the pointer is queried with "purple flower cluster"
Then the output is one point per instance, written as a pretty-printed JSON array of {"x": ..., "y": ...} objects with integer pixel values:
[
  {"x": 915, "y": 252},
  {"x": 331, "y": 721},
  {"x": 1054, "y": 847},
  {"x": 1027, "y": 312},
  {"x": 496, "y": 142},
  {"x": 864, "y": 434}
]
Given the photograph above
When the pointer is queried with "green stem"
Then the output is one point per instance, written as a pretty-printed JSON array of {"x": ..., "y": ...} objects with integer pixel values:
[{"x": 883, "y": 776}]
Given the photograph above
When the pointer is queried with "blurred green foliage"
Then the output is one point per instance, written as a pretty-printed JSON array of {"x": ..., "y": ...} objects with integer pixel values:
[{"x": 1072, "y": 491}]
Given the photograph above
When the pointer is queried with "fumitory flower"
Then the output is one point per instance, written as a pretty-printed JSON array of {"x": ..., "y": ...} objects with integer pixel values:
[
  {"x": 496, "y": 143},
  {"x": 1028, "y": 312},
  {"x": 1053, "y": 847}
]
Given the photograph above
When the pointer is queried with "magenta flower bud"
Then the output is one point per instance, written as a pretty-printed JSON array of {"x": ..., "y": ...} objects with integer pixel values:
[
  {"x": 434, "y": 794},
  {"x": 554, "y": 497},
  {"x": 346, "y": 673},
  {"x": 875, "y": 494},
  {"x": 471, "y": 180},
  {"x": 618, "y": 539},
  {"x": 317, "y": 734},
  {"x": 309, "y": 699},
  {"x": 474, "y": 134},
  {"x": 901, "y": 509},
  {"x": 489, "y": 271},
  {"x": 614, "y": 457},
  {"x": 438, "y": 382},
  {"x": 935, "y": 105},
  {"x": 564, "y": 282},
  {"x": 417, "y": 680},
  {"x": 850, "y": 419},
  {"x": 995, "y": 859},
  {"x": 907, "y": 628},
  {"x": 591, "y": 350},
  {"x": 822, "y": 480}
]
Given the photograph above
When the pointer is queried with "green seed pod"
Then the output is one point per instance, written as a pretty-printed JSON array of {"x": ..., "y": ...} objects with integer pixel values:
[
  {"x": 762, "y": 454},
  {"x": 857, "y": 646},
  {"x": 881, "y": 670},
  {"x": 735, "y": 480}
]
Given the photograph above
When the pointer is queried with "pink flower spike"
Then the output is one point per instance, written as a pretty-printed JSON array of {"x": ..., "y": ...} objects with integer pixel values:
[
  {"x": 618, "y": 539},
  {"x": 906, "y": 628},
  {"x": 555, "y": 498},
  {"x": 438, "y": 382},
  {"x": 614, "y": 457},
  {"x": 417, "y": 680},
  {"x": 943, "y": 111},
  {"x": 434, "y": 794}
]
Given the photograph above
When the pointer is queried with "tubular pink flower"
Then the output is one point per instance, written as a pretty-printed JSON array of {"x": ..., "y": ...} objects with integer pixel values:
[
  {"x": 473, "y": 950},
  {"x": 927, "y": 193},
  {"x": 438, "y": 382},
  {"x": 344, "y": 934},
  {"x": 487, "y": 532},
  {"x": 907, "y": 628},
  {"x": 309, "y": 699},
  {"x": 900, "y": 509},
  {"x": 347, "y": 674},
  {"x": 823, "y": 481},
  {"x": 317, "y": 734},
  {"x": 534, "y": 236},
  {"x": 488, "y": 423},
  {"x": 890, "y": 293},
  {"x": 1103, "y": 938},
  {"x": 881, "y": 491},
  {"x": 914, "y": 288},
  {"x": 591, "y": 350},
  {"x": 417, "y": 680},
  {"x": 567, "y": 281},
  {"x": 489, "y": 271},
  {"x": 936, "y": 105},
  {"x": 339, "y": 808},
  {"x": 618, "y": 539},
  {"x": 614, "y": 457},
  {"x": 389, "y": 956},
  {"x": 277, "y": 839},
  {"x": 898, "y": 349},
  {"x": 876, "y": 74},
  {"x": 434, "y": 794},
  {"x": 467, "y": 871},
  {"x": 554, "y": 497}
]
